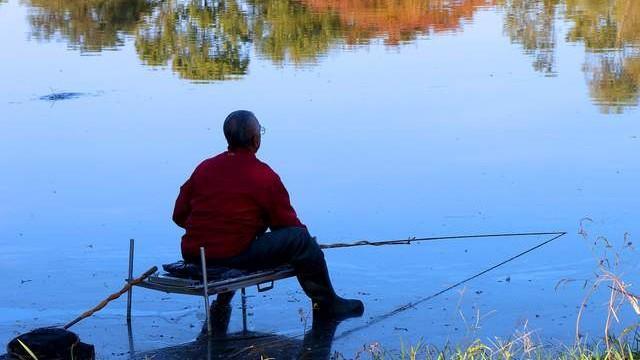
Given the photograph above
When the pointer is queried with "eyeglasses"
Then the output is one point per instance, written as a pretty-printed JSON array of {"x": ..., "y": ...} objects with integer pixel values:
[{"x": 262, "y": 130}]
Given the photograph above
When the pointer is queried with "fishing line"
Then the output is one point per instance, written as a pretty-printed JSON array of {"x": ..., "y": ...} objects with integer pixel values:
[{"x": 412, "y": 304}]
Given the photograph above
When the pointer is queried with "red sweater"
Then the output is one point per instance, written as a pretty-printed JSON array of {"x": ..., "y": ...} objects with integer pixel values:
[{"x": 228, "y": 201}]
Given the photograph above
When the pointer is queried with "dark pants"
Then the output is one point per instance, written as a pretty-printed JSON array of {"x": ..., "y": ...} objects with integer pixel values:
[{"x": 293, "y": 246}]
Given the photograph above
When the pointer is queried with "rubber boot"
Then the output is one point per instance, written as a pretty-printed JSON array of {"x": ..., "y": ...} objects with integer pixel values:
[
  {"x": 220, "y": 313},
  {"x": 316, "y": 344},
  {"x": 326, "y": 304},
  {"x": 224, "y": 298}
]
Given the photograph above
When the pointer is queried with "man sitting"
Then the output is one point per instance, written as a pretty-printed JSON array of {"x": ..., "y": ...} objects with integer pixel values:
[{"x": 230, "y": 201}]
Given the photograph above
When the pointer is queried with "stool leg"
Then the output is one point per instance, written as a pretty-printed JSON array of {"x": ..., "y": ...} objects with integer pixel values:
[
  {"x": 205, "y": 282},
  {"x": 132, "y": 349},
  {"x": 244, "y": 310},
  {"x": 129, "y": 278}
]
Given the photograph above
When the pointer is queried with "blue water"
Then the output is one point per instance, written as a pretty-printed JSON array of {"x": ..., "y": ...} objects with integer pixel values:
[{"x": 451, "y": 132}]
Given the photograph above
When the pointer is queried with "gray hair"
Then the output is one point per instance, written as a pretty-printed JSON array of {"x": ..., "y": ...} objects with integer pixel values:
[{"x": 240, "y": 127}]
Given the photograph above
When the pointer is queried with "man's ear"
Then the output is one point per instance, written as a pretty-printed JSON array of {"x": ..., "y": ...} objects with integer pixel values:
[{"x": 256, "y": 142}]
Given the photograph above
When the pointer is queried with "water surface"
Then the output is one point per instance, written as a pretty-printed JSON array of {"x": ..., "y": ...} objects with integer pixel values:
[{"x": 385, "y": 119}]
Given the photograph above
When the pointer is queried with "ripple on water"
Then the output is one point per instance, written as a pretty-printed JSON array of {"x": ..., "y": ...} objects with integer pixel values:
[{"x": 58, "y": 96}]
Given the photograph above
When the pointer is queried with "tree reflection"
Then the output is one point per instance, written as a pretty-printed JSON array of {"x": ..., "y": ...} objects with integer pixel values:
[
  {"x": 610, "y": 31},
  {"x": 88, "y": 25},
  {"x": 531, "y": 23},
  {"x": 302, "y": 31},
  {"x": 397, "y": 21},
  {"x": 202, "y": 41},
  {"x": 614, "y": 80},
  {"x": 285, "y": 30}
]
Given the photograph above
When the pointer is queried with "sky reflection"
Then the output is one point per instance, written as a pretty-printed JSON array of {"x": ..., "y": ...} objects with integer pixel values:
[{"x": 469, "y": 117}]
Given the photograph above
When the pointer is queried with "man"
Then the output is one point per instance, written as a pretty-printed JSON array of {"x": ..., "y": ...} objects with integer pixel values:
[{"x": 230, "y": 201}]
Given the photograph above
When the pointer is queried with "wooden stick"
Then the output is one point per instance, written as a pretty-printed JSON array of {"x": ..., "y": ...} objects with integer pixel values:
[{"x": 113, "y": 296}]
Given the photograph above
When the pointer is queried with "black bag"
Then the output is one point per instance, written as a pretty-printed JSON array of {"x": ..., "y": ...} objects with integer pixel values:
[
  {"x": 185, "y": 270},
  {"x": 49, "y": 344}
]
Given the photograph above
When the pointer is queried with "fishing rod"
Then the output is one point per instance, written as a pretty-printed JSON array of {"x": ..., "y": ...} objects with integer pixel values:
[
  {"x": 413, "y": 304},
  {"x": 414, "y": 239},
  {"x": 556, "y": 235}
]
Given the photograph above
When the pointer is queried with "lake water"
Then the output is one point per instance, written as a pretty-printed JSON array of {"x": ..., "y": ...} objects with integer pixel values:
[{"x": 385, "y": 120}]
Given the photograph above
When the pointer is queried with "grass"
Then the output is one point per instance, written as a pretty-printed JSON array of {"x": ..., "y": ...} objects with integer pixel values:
[
  {"x": 519, "y": 348},
  {"x": 523, "y": 345}
]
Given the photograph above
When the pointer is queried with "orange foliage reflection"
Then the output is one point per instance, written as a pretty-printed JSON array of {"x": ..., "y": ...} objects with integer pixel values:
[{"x": 398, "y": 20}]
